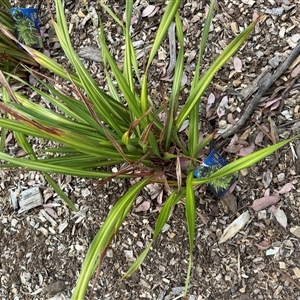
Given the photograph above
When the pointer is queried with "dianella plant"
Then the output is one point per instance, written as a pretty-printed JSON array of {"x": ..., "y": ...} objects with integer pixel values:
[{"x": 98, "y": 129}]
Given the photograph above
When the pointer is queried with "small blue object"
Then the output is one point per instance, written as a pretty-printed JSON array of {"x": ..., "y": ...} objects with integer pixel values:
[
  {"x": 27, "y": 27},
  {"x": 211, "y": 164}
]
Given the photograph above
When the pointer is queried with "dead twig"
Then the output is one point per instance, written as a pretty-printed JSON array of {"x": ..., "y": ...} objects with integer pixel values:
[
  {"x": 290, "y": 86},
  {"x": 288, "y": 278},
  {"x": 262, "y": 90},
  {"x": 288, "y": 123}
]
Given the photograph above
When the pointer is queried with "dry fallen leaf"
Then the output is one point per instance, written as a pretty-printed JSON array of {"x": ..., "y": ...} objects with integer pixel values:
[
  {"x": 275, "y": 105},
  {"x": 263, "y": 245},
  {"x": 231, "y": 119},
  {"x": 233, "y": 148},
  {"x": 134, "y": 180},
  {"x": 234, "y": 139},
  {"x": 8, "y": 138},
  {"x": 210, "y": 100},
  {"x": 48, "y": 196},
  {"x": 154, "y": 189},
  {"x": 143, "y": 206},
  {"x": 20, "y": 153},
  {"x": 267, "y": 178},
  {"x": 286, "y": 188},
  {"x": 264, "y": 202},
  {"x": 184, "y": 125},
  {"x": 148, "y": 10},
  {"x": 233, "y": 228},
  {"x": 154, "y": 12},
  {"x": 159, "y": 198},
  {"x": 297, "y": 272},
  {"x": 32, "y": 80},
  {"x": 279, "y": 215},
  {"x": 135, "y": 18},
  {"x": 222, "y": 106},
  {"x": 51, "y": 212},
  {"x": 203, "y": 217},
  {"x": 184, "y": 79},
  {"x": 271, "y": 102},
  {"x": 80, "y": 14},
  {"x": 237, "y": 64},
  {"x": 167, "y": 78},
  {"x": 259, "y": 138},
  {"x": 140, "y": 244},
  {"x": 295, "y": 231},
  {"x": 247, "y": 150},
  {"x": 232, "y": 187}
]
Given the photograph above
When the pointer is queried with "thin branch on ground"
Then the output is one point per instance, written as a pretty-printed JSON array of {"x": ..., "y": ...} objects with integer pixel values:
[
  {"x": 262, "y": 90},
  {"x": 287, "y": 90}
]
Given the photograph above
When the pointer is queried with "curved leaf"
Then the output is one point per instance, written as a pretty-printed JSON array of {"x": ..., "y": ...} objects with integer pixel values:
[
  {"x": 160, "y": 222},
  {"x": 244, "y": 162},
  {"x": 103, "y": 237},
  {"x": 205, "y": 80}
]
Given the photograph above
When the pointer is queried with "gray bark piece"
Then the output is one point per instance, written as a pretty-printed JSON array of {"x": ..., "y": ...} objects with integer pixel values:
[
  {"x": 92, "y": 53},
  {"x": 29, "y": 199},
  {"x": 172, "y": 45},
  {"x": 247, "y": 92},
  {"x": 14, "y": 200},
  {"x": 56, "y": 287}
]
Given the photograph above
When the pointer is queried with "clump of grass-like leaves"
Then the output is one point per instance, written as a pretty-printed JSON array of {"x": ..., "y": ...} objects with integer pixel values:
[{"x": 98, "y": 129}]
